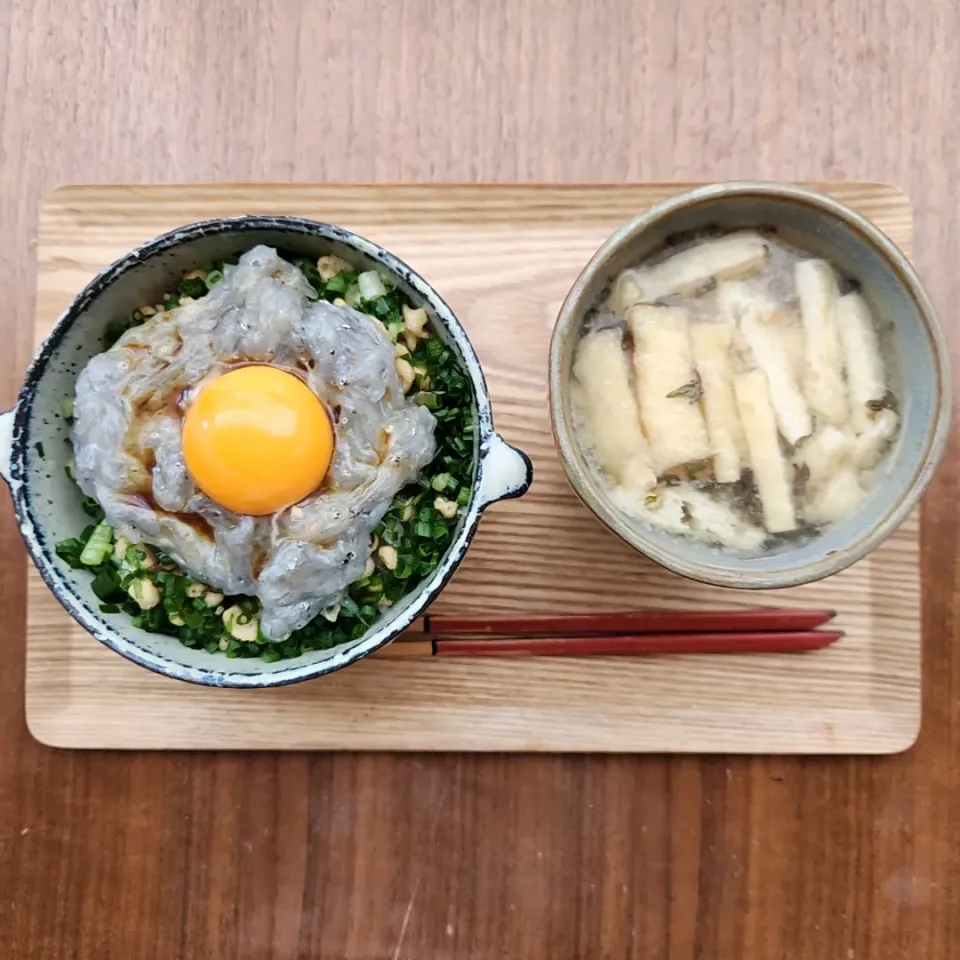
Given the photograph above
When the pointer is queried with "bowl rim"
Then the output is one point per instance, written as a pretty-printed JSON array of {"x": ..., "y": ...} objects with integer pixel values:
[
  {"x": 937, "y": 434},
  {"x": 106, "y": 631}
]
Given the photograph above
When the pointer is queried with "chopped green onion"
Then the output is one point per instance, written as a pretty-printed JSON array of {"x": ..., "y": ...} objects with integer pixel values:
[
  {"x": 69, "y": 551},
  {"x": 135, "y": 556},
  {"x": 192, "y": 617},
  {"x": 384, "y": 309},
  {"x": 98, "y": 546},
  {"x": 423, "y": 529},
  {"x": 442, "y": 481},
  {"x": 193, "y": 287},
  {"x": 352, "y": 296},
  {"x": 66, "y": 408},
  {"x": 434, "y": 349},
  {"x": 392, "y": 535},
  {"x": 340, "y": 283},
  {"x": 107, "y": 587},
  {"x": 370, "y": 590},
  {"x": 394, "y": 329},
  {"x": 213, "y": 278}
]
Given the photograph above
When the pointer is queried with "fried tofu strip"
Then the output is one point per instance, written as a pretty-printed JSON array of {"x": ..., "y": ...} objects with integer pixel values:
[
  {"x": 667, "y": 386},
  {"x": 770, "y": 472},
  {"x": 608, "y": 409},
  {"x": 866, "y": 378},
  {"x": 823, "y": 384},
  {"x": 694, "y": 270},
  {"x": 711, "y": 349},
  {"x": 770, "y": 350}
]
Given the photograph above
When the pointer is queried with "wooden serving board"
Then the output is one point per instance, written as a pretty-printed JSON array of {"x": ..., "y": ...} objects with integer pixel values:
[{"x": 503, "y": 256}]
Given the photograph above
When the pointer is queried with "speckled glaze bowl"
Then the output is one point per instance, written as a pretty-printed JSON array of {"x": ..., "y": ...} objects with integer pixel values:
[
  {"x": 918, "y": 369},
  {"x": 47, "y": 504}
]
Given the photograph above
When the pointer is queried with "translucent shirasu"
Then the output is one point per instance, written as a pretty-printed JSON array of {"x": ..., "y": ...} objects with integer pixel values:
[{"x": 127, "y": 438}]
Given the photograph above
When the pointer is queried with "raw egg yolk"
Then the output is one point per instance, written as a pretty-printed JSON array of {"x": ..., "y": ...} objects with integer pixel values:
[{"x": 257, "y": 439}]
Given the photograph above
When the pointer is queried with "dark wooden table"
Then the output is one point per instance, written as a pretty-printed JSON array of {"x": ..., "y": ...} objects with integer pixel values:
[{"x": 365, "y": 857}]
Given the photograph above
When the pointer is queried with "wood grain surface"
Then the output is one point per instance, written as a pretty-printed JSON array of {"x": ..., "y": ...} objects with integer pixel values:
[
  {"x": 292, "y": 855},
  {"x": 541, "y": 553}
]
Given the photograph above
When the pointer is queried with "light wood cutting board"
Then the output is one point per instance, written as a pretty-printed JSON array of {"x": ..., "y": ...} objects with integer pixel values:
[{"x": 503, "y": 257}]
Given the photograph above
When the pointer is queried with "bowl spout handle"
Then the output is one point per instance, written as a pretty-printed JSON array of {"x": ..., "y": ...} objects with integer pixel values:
[
  {"x": 505, "y": 471},
  {"x": 6, "y": 442}
]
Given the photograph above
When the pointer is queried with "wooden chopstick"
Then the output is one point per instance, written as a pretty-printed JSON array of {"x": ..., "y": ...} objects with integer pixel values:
[
  {"x": 640, "y": 622},
  {"x": 776, "y": 641}
]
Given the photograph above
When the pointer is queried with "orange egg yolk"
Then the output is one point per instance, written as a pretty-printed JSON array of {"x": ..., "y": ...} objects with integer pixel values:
[{"x": 257, "y": 439}]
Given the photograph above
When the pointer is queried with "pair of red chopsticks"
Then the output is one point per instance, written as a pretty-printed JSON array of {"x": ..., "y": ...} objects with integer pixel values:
[{"x": 621, "y": 634}]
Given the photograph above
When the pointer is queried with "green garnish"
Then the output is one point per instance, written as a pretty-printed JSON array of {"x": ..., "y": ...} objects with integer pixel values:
[
  {"x": 691, "y": 391},
  {"x": 66, "y": 407},
  {"x": 107, "y": 586},
  {"x": 92, "y": 508},
  {"x": 394, "y": 329},
  {"x": 337, "y": 286},
  {"x": 69, "y": 551},
  {"x": 193, "y": 287},
  {"x": 98, "y": 546}
]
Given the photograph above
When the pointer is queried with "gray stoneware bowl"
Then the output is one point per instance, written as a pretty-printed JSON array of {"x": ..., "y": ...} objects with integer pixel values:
[
  {"x": 47, "y": 504},
  {"x": 917, "y": 361}
]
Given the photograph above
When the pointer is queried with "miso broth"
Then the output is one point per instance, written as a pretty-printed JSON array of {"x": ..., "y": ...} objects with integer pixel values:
[{"x": 732, "y": 389}]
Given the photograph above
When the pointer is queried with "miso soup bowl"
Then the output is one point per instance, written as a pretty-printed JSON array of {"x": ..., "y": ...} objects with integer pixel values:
[
  {"x": 48, "y": 505},
  {"x": 917, "y": 368}
]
